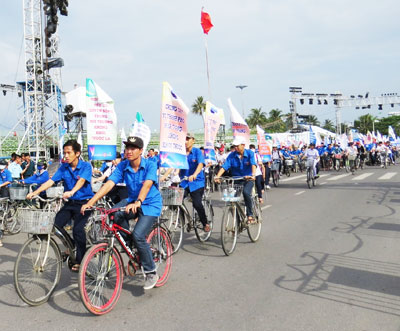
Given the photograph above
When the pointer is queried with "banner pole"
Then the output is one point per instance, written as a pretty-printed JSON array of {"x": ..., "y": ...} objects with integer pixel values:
[{"x": 208, "y": 71}]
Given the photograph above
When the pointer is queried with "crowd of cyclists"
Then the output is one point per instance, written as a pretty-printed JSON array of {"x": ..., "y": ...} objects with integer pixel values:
[{"x": 132, "y": 181}]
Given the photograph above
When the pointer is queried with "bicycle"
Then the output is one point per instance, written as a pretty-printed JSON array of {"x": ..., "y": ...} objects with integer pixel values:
[
  {"x": 234, "y": 217},
  {"x": 310, "y": 173},
  {"x": 351, "y": 163},
  {"x": 288, "y": 166},
  {"x": 101, "y": 273},
  {"x": 177, "y": 216},
  {"x": 275, "y": 172},
  {"x": 37, "y": 269}
]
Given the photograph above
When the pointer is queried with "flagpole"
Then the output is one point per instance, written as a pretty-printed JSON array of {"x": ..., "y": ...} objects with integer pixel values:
[{"x": 208, "y": 71}]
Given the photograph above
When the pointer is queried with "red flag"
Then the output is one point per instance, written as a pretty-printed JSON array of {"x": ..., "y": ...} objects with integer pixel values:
[{"x": 206, "y": 22}]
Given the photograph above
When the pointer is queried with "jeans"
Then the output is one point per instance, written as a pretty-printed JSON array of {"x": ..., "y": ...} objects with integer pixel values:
[
  {"x": 197, "y": 197},
  {"x": 139, "y": 234},
  {"x": 267, "y": 173},
  {"x": 72, "y": 210},
  {"x": 247, "y": 190},
  {"x": 259, "y": 186}
]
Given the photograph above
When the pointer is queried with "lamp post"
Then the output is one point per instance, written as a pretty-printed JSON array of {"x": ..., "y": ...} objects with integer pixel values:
[{"x": 241, "y": 88}]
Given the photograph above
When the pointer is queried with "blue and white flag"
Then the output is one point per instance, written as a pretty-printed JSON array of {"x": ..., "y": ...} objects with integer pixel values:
[
  {"x": 313, "y": 138},
  {"x": 392, "y": 134},
  {"x": 140, "y": 129}
]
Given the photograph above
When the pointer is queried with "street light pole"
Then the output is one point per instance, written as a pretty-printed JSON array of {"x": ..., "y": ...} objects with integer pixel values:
[{"x": 241, "y": 88}]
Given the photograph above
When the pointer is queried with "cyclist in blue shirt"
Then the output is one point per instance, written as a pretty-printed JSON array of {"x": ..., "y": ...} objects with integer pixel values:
[
  {"x": 40, "y": 177},
  {"x": 196, "y": 180},
  {"x": 5, "y": 179},
  {"x": 144, "y": 201},
  {"x": 242, "y": 163},
  {"x": 76, "y": 175}
]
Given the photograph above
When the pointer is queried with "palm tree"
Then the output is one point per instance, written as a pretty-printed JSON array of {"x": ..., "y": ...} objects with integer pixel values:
[
  {"x": 199, "y": 106},
  {"x": 328, "y": 125},
  {"x": 256, "y": 117},
  {"x": 313, "y": 120},
  {"x": 274, "y": 115},
  {"x": 365, "y": 123}
]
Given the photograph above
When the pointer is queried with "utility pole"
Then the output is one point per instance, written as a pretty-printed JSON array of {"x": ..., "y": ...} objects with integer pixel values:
[{"x": 292, "y": 104}]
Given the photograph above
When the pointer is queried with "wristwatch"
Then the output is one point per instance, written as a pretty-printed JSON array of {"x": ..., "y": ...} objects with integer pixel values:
[{"x": 140, "y": 201}]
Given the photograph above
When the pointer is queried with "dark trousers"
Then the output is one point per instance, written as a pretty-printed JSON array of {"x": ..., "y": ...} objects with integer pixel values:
[
  {"x": 118, "y": 193},
  {"x": 197, "y": 197},
  {"x": 267, "y": 173},
  {"x": 259, "y": 185},
  {"x": 72, "y": 210},
  {"x": 247, "y": 190},
  {"x": 4, "y": 192}
]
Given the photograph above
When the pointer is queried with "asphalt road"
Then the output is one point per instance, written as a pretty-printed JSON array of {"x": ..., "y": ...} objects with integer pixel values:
[{"x": 327, "y": 259}]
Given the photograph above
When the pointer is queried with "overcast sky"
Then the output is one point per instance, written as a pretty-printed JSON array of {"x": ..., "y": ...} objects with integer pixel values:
[{"x": 130, "y": 47}]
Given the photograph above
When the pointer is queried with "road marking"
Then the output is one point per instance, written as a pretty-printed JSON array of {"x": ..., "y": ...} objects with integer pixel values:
[
  {"x": 292, "y": 178},
  {"x": 70, "y": 287},
  {"x": 265, "y": 207},
  {"x": 387, "y": 176},
  {"x": 323, "y": 183},
  {"x": 320, "y": 176},
  {"x": 338, "y": 177},
  {"x": 363, "y": 176},
  {"x": 298, "y": 193}
]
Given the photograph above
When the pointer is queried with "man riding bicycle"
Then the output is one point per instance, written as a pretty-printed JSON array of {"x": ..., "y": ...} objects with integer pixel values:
[
  {"x": 242, "y": 163},
  {"x": 312, "y": 154},
  {"x": 144, "y": 201},
  {"x": 76, "y": 175}
]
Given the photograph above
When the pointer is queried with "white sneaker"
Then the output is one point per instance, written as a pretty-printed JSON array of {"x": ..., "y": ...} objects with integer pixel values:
[
  {"x": 150, "y": 281},
  {"x": 1, "y": 243},
  {"x": 268, "y": 187}
]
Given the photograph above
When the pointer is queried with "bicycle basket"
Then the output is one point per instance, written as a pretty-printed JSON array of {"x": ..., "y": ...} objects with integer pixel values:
[
  {"x": 96, "y": 186},
  {"x": 275, "y": 166},
  {"x": 231, "y": 192},
  {"x": 338, "y": 156},
  {"x": 18, "y": 192},
  {"x": 352, "y": 157},
  {"x": 310, "y": 163},
  {"x": 55, "y": 192},
  {"x": 172, "y": 196},
  {"x": 38, "y": 221},
  {"x": 289, "y": 162}
]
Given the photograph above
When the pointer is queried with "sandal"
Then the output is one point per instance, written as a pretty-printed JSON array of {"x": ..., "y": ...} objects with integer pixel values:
[
  {"x": 250, "y": 220},
  {"x": 75, "y": 267},
  {"x": 207, "y": 228},
  {"x": 261, "y": 200}
]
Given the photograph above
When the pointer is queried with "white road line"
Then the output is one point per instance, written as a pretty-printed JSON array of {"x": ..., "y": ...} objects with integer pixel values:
[
  {"x": 387, "y": 176},
  {"x": 68, "y": 288},
  {"x": 298, "y": 193},
  {"x": 320, "y": 176},
  {"x": 323, "y": 183},
  {"x": 292, "y": 178},
  {"x": 265, "y": 207},
  {"x": 363, "y": 176},
  {"x": 338, "y": 177}
]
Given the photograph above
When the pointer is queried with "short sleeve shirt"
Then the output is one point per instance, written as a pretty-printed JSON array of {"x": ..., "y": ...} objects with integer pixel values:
[
  {"x": 152, "y": 205},
  {"x": 312, "y": 154},
  {"x": 70, "y": 178},
  {"x": 15, "y": 170},
  {"x": 5, "y": 176},
  {"x": 240, "y": 166},
  {"x": 195, "y": 157}
]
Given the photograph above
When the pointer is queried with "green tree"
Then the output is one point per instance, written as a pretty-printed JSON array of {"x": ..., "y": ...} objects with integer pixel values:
[
  {"x": 313, "y": 120},
  {"x": 383, "y": 124},
  {"x": 274, "y": 115},
  {"x": 328, "y": 125},
  {"x": 256, "y": 117},
  {"x": 365, "y": 123},
  {"x": 199, "y": 106}
]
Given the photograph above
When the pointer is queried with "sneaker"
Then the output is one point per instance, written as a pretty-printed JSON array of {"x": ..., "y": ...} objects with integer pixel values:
[
  {"x": 268, "y": 187},
  {"x": 1, "y": 243},
  {"x": 316, "y": 177},
  {"x": 150, "y": 281}
]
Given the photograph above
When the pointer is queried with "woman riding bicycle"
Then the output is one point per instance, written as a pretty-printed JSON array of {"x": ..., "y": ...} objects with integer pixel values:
[
  {"x": 312, "y": 154},
  {"x": 241, "y": 162}
]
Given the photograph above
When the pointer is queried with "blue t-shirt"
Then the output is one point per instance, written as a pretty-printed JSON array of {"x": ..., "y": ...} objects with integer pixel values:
[
  {"x": 5, "y": 176},
  {"x": 195, "y": 157},
  {"x": 38, "y": 178},
  {"x": 70, "y": 177},
  {"x": 240, "y": 167},
  {"x": 152, "y": 205}
]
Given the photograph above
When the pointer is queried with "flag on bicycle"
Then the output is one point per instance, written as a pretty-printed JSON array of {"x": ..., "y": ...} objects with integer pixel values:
[
  {"x": 173, "y": 130},
  {"x": 239, "y": 126},
  {"x": 212, "y": 121},
  {"x": 264, "y": 146},
  {"x": 101, "y": 122}
]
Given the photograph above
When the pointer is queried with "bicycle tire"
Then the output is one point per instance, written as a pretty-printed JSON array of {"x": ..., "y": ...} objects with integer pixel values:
[
  {"x": 12, "y": 223},
  {"x": 275, "y": 178},
  {"x": 229, "y": 230},
  {"x": 175, "y": 225},
  {"x": 313, "y": 181},
  {"x": 201, "y": 235},
  {"x": 162, "y": 254},
  {"x": 254, "y": 230},
  {"x": 34, "y": 283},
  {"x": 100, "y": 279},
  {"x": 288, "y": 172},
  {"x": 309, "y": 178}
]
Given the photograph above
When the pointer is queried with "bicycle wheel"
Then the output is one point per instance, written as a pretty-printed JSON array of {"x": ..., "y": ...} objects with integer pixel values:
[
  {"x": 275, "y": 178},
  {"x": 94, "y": 232},
  {"x": 174, "y": 222},
  {"x": 161, "y": 247},
  {"x": 309, "y": 177},
  {"x": 12, "y": 223},
  {"x": 229, "y": 230},
  {"x": 100, "y": 279},
  {"x": 198, "y": 226},
  {"x": 313, "y": 181},
  {"x": 37, "y": 270},
  {"x": 254, "y": 230},
  {"x": 287, "y": 172}
]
